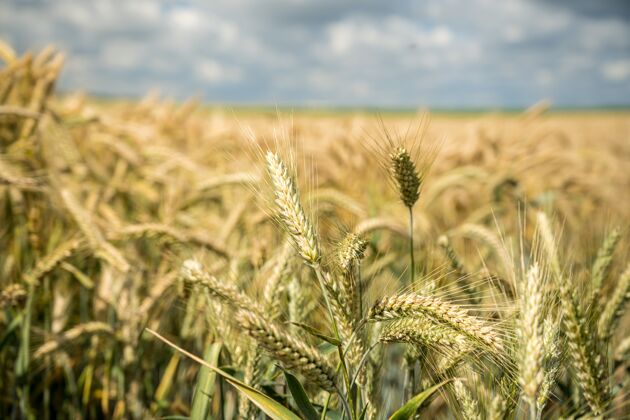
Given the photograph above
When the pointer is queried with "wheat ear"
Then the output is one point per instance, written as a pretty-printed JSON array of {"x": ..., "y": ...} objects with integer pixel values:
[
  {"x": 349, "y": 255},
  {"x": 586, "y": 360},
  {"x": 531, "y": 335},
  {"x": 425, "y": 333},
  {"x": 412, "y": 304},
  {"x": 470, "y": 407},
  {"x": 585, "y": 357},
  {"x": 192, "y": 272},
  {"x": 615, "y": 306},
  {"x": 601, "y": 265},
  {"x": 50, "y": 261},
  {"x": 291, "y": 352},
  {"x": 83, "y": 219},
  {"x": 291, "y": 211},
  {"x": 551, "y": 361},
  {"x": 405, "y": 175},
  {"x": 12, "y": 295}
]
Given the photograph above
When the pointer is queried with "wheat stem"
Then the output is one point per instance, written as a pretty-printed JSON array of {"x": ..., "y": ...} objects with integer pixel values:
[
  {"x": 412, "y": 268},
  {"x": 320, "y": 277}
]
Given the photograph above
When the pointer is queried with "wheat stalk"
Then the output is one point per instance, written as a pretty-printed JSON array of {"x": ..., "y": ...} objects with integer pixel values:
[{"x": 72, "y": 334}]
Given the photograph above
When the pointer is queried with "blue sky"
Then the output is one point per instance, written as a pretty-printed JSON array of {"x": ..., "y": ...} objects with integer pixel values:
[{"x": 395, "y": 53}]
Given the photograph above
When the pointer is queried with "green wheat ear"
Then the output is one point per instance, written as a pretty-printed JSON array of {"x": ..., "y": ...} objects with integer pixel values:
[{"x": 405, "y": 175}]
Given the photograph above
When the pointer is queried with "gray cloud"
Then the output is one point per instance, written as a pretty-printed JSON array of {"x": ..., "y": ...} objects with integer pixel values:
[
  {"x": 441, "y": 53},
  {"x": 617, "y": 9}
]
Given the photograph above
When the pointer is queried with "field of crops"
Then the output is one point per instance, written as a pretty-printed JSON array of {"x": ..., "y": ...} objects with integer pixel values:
[{"x": 316, "y": 264}]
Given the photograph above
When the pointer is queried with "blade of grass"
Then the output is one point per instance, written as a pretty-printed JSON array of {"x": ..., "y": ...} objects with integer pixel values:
[
  {"x": 300, "y": 397},
  {"x": 318, "y": 334},
  {"x": 205, "y": 384},
  {"x": 408, "y": 410},
  {"x": 167, "y": 380}
]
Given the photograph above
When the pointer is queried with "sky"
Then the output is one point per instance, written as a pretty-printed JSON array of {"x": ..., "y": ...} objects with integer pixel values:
[{"x": 385, "y": 53}]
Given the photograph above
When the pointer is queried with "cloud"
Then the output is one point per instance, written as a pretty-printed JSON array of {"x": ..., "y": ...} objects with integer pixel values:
[
  {"x": 393, "y": 33},
  {"x": 617, "y": 71},
  {"x": 211, "y": 71},
  {"x": 441, "y": 53}
]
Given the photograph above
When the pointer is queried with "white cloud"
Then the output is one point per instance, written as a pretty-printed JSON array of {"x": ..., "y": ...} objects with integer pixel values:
[
  {"x": 617, "y": 71},
  {"x": 211, "y": 71},
  {"x": 438, "y": 52},
  {"x": 146, "y": 10},
  {"x": 392, "y": 33},
  {"x": 122, "y": 54},
  {"x": 185, "y": 18}
]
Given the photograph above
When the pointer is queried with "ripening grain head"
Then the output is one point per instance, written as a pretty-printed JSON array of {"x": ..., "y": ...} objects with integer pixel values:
[{"x": 290, "y": 210}]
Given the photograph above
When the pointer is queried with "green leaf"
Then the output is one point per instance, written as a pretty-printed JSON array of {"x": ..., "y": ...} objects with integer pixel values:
[
  {"x": 363, "y": 412},
  {"x": 318, "y": 334},
  {"x": 167, "y": 379},
  {"x": 300, "y": 397},
  {"x": 408, "y": 410},
  {"x": 325, "y": 409},
  {"x": 23, "y": 359},
  {"x": 326, "y": 348},
  {"x": 205, "y": 384},
  {"x": 6, "y": 334},
  {"x": 270, "y": 407}
]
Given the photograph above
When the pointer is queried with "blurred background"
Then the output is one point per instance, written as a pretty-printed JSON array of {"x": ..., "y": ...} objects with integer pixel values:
[{"x": 401, "y": 53}]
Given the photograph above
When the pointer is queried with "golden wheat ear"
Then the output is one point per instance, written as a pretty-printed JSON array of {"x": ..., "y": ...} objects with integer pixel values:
[
  {"x": 432, "y": 309},
  {"x": 291, "y": 212}
]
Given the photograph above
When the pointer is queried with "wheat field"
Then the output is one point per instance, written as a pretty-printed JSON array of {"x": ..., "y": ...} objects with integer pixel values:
[{"x": 173, "y": 260}]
